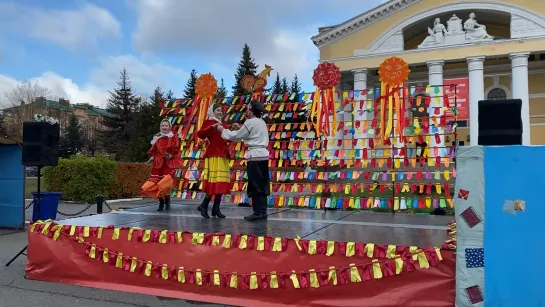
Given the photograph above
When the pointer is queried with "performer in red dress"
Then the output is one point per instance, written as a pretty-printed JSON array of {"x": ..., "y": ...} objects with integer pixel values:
[
  {"x": 165, "y": 159},
  {"x": 215, "y": 176}
]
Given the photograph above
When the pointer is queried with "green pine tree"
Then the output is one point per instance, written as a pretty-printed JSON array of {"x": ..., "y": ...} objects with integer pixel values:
[
  {"x": 123, "y": 104},
  {"x": 72, "y": 140},
  {"x": 246, "y": 66},
  {"x": 145, "y": 125},
  {"x": 295, "y": 85},
  {"x": 189, "y": 91},
  {"x": 277, "y": 85},
  {"x": 285, "y": 86},
  {"x": 222, "y": 91}
]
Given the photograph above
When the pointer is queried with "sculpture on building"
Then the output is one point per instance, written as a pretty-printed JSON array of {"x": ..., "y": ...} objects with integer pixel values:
[
  {"x": 436, "y": 35},
  {"x": 456, "y": 32},
  {"x": 474, "y": 30}
]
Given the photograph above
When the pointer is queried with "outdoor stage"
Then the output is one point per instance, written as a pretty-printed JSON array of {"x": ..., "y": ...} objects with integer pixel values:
[{"x": 296, "y": 257}]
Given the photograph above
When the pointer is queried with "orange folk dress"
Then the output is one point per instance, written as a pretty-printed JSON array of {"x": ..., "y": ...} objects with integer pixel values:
[{"x": 162, "y": 177}]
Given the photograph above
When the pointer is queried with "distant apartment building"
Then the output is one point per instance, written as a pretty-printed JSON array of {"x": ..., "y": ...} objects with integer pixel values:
[{"x": 90, "y": 117}]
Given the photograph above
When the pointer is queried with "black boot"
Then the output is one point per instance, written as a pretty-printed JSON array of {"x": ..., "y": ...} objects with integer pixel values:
[
  {"x": 203, "y": 207},
  {"x": 264, "y": 207},
  {"x": 216, "y": 207},
  {"x": 161, "y": 204},
  {"x": 256, "y": 206},
  {"x": 167, "y": 203}
]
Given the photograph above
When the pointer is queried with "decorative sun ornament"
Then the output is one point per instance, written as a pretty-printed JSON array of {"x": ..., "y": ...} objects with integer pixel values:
[{"x": 394, "y": 72}]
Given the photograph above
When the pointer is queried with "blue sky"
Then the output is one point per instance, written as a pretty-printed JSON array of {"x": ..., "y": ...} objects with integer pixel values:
[{"x": 76, "y": 48}]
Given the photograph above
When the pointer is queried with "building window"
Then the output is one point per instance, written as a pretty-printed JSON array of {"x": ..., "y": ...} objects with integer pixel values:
[{"x": 497, "y": 94}]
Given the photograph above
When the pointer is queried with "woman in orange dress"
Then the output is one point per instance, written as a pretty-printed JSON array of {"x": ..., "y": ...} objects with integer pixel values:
[
  {"x": 165, "y": 159},
  {"x": 215, "y": 176}
]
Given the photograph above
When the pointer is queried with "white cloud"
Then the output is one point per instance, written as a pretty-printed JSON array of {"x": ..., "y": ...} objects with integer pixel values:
[
  {"x": 144, "y": 74},
  {"x": 278, "y": 32},
  {"x": 74, "y": 29}
]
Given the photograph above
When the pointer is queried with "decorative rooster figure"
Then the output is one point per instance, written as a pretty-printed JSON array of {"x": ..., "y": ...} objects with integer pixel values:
[{"x": 256, "y": 84}]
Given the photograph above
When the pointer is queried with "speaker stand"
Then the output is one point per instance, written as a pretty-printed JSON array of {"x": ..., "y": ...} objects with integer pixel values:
[{"x": 37, "y": 204}]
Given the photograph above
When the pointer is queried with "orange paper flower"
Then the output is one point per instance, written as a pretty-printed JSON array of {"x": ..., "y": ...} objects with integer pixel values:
[
  {"x": 206, "y": 86},
  {"x": 394, "y": 71}
]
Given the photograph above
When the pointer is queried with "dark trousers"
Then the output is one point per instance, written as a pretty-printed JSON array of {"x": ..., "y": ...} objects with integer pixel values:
[{"x": 258, "y": 185}]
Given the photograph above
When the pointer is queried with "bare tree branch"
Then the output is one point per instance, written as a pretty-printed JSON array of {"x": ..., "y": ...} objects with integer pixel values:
[{"x": 22, "y": 103}]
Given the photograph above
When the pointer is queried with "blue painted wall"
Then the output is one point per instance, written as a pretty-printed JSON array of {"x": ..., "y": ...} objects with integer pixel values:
[
  {"x": 12, "y": 176},
  {"x": 514, "y": 245}
]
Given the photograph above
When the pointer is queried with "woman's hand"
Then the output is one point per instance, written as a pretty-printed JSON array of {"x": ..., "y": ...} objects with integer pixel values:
[
  {"x": 235, "y": 126},
  {"x": 150, "y": 159}
]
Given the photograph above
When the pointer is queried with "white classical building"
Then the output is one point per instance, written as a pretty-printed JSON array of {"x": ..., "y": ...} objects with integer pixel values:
[{"x": 494, "y": 49}]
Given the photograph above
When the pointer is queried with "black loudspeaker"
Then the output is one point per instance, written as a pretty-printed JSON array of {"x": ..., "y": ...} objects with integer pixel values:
[
  {"x": 500, "y": 122},
  {"x": 40, "y": 143}
]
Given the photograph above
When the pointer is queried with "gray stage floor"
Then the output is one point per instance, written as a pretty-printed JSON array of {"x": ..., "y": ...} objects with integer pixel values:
[{"x": 378, "y": 228}]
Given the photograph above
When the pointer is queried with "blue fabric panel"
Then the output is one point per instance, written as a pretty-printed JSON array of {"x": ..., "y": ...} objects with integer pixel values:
[
  {"x": 514, "y": 242},
  {"x": 12, "y": 196}
]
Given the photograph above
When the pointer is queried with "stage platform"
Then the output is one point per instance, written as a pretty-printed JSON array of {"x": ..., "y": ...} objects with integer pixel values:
[{"x": 306, "y": 238}]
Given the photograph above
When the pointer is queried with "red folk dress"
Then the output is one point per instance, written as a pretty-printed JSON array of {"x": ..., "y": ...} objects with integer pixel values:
[
  {"x": 163, "y": 170},
  {"x": 216, "y": 174}
]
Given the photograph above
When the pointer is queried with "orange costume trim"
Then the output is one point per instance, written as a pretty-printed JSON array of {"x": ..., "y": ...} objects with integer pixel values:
[{"x": 163, "y": 170}]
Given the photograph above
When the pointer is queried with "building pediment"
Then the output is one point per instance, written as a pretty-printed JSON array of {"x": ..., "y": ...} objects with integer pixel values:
[
  {"x": 330, "y": 34},
  {"x": 455, "y": 24}
]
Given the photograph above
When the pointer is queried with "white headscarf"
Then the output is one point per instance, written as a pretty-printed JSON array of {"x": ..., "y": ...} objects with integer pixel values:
[
  {"x": 211, "y": 114},
  {"x": 161, "y": 134}
]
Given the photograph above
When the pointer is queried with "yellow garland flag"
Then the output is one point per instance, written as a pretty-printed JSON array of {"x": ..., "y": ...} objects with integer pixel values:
[
  {"x": 92, "y": 252},
  {"x": 332, "y": 275},
  {"x": 423, "y": 261},
  {"x": 179, "y": 235},
  {"x": 413, "y": 250},
  {"x": 217, "y": 278},
  {"x": 277, "y": 245},
  {"x": 72, "y": 230},
  {"x": 198, "y": 277},
  {"x": 198, "y": 238},
  {"x": 115, "y": 235},
  {"x": 99, "y": 235},
  {"x": 330, "y": 248},
  {"x": 105, "y": 256},
  {"x": 86, "y": 231},
  {"x": 312, "y": 247},
  {"x": 369, "y": 249},
  {"x": 399, "y": 265},
  {"x": 45, "y": 231},
  {"x": 297, "y": 243},
  {"x": 163, "y": 237},
  {"x": 134, "y": 263},
  {"x": 181, "y": 275},
  {"x": 57, "y": 234},
  {"x": 119, "y": 261},
  {"x": 260, "y": 243},
  {"x": 243, "y": 242},
  {"x": 350, "y": 249},
  {"x": 164, "y": 272},
  {"x": 354, "y": 273},
  {"x": 295, "y": 280},
  {"x": 147, "y": 271},
  {"x": 233, "y": 283},
  {"x": 129, "y": 237},
  {"x": 215, "y": 240},
  {"x": 377, "y": 271},
  {"x": 147, "y": 236},
  {"x": 438, "y": 251},
  {"x": 253, "y": 281},
  {"x": 314, "y": 279},
  {"x": 227, "y": 241},
  {"x": 274, "y": 281},
  {"x": 391, "y": 252}
]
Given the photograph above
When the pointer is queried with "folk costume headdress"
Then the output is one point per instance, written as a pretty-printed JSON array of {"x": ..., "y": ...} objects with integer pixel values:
[{"x": 161, "y": 134}]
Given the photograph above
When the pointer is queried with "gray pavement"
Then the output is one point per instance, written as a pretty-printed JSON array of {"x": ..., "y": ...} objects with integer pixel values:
[{"x": 16, "y": 291}]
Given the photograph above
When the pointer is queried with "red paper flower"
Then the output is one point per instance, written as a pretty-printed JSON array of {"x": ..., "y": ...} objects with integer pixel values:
[{"x": 326, "y": 76}]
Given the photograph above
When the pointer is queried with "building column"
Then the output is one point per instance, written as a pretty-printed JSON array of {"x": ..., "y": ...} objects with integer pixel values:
[
  {"x": 520, "y": 90},
  {"x": 476, "y": 93},
  {"x": 435, "y": 78},
  {"x": 360, "y": 84}
]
